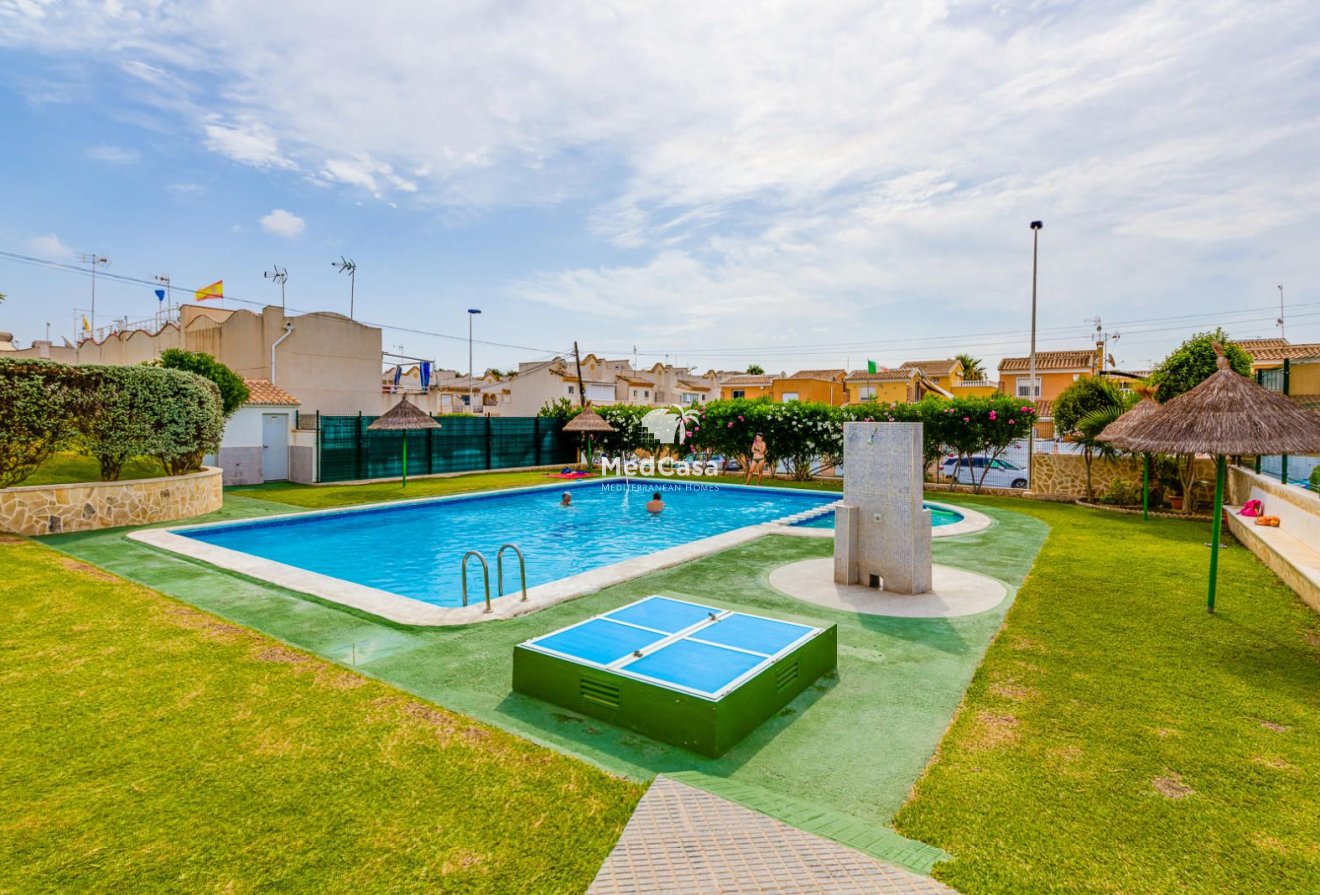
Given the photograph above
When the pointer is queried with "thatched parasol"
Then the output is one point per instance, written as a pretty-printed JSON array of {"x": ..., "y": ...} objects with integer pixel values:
[
  {"x": 1226, "y": 414},
  {"x": 404, "y": 417},
  {"x": 1143, "y": 408},
  {"x": 589, "y": 422}
]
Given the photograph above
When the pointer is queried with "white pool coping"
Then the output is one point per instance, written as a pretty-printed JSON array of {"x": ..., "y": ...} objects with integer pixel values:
[
  {"x": 408, "y": 611},
  {"x": 971, "y": 522}
]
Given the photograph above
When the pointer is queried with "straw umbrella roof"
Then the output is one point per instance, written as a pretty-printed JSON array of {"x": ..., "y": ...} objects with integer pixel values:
[
  {"x": 588, "y": 421},
  {"x": 404, "y": 417},
  {"x": 1140, "y": 411},
  {"x": 1226, "y": 414}
]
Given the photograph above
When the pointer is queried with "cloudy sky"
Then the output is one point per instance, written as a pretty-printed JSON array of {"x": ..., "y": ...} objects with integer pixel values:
[{"x": 794, "y": 184}]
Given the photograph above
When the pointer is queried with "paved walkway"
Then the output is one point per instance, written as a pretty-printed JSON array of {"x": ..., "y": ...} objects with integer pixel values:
[{"x": 684, "y": 841}]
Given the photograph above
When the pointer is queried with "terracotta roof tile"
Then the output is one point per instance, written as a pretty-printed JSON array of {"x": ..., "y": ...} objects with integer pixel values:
[
  {"x": 749, "y": 379},
  {"x": 1252, "y": 344},
  {"x": 900, "y": 375},
  {"x": 1051, "y": 361},
  {"x": 263, "y": 394},
  {"x": 943, "y": 367},
  {"x": 1280, "y": 352},
  {"x": 818, "y": 374}
]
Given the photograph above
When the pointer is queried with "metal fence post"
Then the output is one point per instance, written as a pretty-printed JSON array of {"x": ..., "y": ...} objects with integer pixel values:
[
  {"x": 489, "y": 436},
  {"x": 536, "y": 441},
  {"x": 361, "y": 466}
]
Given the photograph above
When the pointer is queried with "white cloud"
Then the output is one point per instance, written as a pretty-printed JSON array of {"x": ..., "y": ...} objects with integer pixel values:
[
  {"x": 283, "y": 223},
  {"x": 247, "y": 141},
  {"x": 186, "y": 189},
  {"x": 752, "y": 158},
  {"x": 49, "y": 247},
  {"x": 115, "y": 155}
]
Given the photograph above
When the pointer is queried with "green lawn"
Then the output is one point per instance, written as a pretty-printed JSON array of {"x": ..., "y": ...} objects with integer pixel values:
[
  {"x": 151, "y": 747},
  {"x": 68, "y": 467},
  {"x": 1117, "y": 738}
]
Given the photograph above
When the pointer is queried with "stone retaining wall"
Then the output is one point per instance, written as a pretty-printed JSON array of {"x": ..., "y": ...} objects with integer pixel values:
[
  {"x": 86, "y": 506},
  {"x": 1064, "y": 475}
]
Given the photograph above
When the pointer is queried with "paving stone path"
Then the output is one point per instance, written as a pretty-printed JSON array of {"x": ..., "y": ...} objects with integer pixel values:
[{"x": 685, "y": 841}]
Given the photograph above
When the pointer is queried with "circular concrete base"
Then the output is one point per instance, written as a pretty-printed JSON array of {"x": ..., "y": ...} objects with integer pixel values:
[{"x": 954, "y": 592}]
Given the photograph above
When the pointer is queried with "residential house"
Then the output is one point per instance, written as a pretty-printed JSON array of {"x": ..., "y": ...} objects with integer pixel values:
[
  {"x": 680, "y": 385},
  {"x": 1055, "y": 371},
  {"x": 947, "y": 375},
  {"x": 746, "y": 385},
  {"x": 1277, "y": 360},
  {"x": 883, "y": 386},
  {"x": 824, "y": 386}
]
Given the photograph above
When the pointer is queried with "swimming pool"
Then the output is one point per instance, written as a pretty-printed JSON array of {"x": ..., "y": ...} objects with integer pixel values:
[
  {"x": 415, "y": 550},
  {"x": 940, "y": 516},
  {"x": 685, "y": 673}
]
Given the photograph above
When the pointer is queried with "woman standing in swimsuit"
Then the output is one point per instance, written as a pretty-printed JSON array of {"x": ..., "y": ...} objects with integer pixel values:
[{"x": 757, "y": 466}]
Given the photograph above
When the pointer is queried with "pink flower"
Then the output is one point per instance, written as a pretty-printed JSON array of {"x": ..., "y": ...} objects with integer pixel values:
[
  {"x": 993, "y": 415},
  {"x": 1026, "y": 410},
  {"x": 740, "y": 419},
  {"x": 1011, "y": 421},
  {"x": 869, "y": 420},
  {"x": 730, "y": 424},
  {"x": 967, "y": 419}
]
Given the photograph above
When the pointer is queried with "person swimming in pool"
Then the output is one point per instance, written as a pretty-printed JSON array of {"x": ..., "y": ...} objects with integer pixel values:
[
  {"x": 655, "y": 506},
  {"x": 757, "y": 466},
  {"x": 566, "y": 500}
]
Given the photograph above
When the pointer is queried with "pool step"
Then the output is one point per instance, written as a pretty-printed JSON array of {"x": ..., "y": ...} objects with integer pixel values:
[{"x": 812, "y": 513}]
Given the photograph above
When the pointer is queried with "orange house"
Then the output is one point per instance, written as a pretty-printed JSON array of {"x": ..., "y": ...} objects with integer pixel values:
[
  {"x": 883, "y": 386},
  {"x": 746, "y": 385},
  {"x": 824, "y": 386},
  {"x": 1055, "y": 371}
]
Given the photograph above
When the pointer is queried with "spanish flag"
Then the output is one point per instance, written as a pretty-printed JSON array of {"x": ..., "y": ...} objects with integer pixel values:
[{"x": 215, "y": 290}]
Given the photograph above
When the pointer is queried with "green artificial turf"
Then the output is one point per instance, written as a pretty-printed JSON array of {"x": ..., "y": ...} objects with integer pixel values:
[
  {"x": 150, "y": 747},
  {"x": 69, "y": 468},
  {"x": 1117, "y": 738},
  {"x": 840, "y": 760}
]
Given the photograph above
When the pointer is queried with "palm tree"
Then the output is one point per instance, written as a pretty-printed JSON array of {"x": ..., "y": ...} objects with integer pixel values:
[
  {"x": 1087, "y": 434},
  {"x": 973, "y": 369}
]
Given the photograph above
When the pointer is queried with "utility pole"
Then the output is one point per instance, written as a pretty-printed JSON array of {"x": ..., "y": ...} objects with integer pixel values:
[
  {"x": 346, "y": 265},
  {"x": 164, "y": 280},
  {"x": 1032, "y": 388},
  {"x": 472, "y": 312},
  {"x": 280, "y": 275},
  {"x": 1283, "y": 334},
  {"x": 577, "y": 363},
  {"x": 94, "y": 260}
]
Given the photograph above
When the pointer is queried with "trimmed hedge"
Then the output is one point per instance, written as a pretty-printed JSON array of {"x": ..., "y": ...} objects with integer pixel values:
[
  {"x": 112, "y": 413},
  {"x": 808, "y": 436}
]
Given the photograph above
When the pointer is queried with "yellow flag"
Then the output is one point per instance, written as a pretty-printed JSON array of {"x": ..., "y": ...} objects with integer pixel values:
[
  {"x": 87, "y": 327},
  {"x": 215, "y": 290}
]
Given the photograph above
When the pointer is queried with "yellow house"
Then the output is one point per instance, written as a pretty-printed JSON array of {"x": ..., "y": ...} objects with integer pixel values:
[
  {"x": 824, "y": 386},
  {"x": 882, "y": 387},
  {"x": 1055, "y": 371},
  {"x": 1303, "y": 362},
  {"x": 746, "y": 385}
]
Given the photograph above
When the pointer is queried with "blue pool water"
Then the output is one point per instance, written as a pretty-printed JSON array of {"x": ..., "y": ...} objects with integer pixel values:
[
  {"x": 938, "y": 516},
  {"x": 416, "y": 550},
  {"x": 685, "y": 645}
]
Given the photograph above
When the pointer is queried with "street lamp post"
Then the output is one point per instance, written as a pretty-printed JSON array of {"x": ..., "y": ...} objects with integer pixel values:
[
  {"x": 472, "y": 312},
  {"x": 1031, "y": 362}
]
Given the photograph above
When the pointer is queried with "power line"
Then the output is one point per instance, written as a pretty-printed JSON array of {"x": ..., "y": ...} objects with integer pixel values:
[{"x": 137, "y": 281}]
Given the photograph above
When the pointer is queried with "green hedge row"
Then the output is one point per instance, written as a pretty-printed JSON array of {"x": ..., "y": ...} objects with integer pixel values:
[
  {"x": 112, "y": 413},
  {"x": 807, "y": 436}
]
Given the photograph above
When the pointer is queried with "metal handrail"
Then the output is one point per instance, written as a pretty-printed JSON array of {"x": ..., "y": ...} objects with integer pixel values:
[
  {"x": 485, "y": 577},
  {"x": 499, "y": 569}
]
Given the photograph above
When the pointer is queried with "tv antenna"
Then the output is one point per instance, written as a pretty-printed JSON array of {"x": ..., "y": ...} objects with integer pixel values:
[
  {"x": 279, "y": 275},
  {"x": 346, "y": 265}
]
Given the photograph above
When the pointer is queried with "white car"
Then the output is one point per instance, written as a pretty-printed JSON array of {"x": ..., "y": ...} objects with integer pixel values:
[{"x": 1001, "y": 474}]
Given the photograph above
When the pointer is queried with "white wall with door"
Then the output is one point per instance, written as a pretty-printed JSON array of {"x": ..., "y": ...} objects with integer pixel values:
[{"x": 255, "y": 446}]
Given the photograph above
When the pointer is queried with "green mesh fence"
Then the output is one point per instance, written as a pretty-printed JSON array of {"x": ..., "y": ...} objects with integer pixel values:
[{"x": 348, "y": 450}]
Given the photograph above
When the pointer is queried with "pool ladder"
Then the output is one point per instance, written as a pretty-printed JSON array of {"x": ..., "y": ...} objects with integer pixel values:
[{"x": 499, "y": 573}]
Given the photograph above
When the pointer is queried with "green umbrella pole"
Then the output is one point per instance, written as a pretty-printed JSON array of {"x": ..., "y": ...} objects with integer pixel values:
[
  {"x": 405, "y": 458},
  {"x": 1145, "y": 491},
  {"x": 1214, "y": 531}
]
